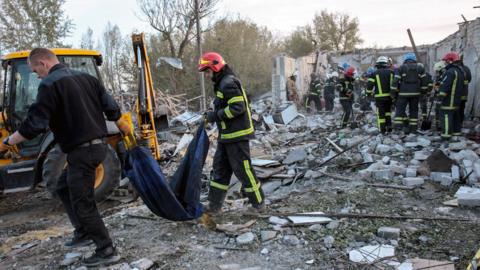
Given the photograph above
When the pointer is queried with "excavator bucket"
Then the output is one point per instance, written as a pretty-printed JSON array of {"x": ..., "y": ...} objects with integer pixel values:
[{"x": 179, "y": 198}]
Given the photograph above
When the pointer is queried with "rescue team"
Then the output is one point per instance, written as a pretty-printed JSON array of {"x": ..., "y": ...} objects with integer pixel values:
[
  {"x": 403, "y": 90},
  {"x": 69, "y": 100}
]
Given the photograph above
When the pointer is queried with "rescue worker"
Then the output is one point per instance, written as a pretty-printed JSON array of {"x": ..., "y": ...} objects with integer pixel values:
[
  {"x": 73, "y": 105},
  {"x": 233, "y": 117},
  {"x": 345, "y": 87},
  {"x": 329, "y": 91},
  {"x": 408, "y": 84},
  {"x": 424, "y": 97},
  {"x": 378, "y": 85},
  {"x": 315, "y": 93},
  {"x": 451, "y": 92},
  {"x": 292, "y": 92},
  {"x": 468, "y": 78},
  {"x": 439, "y": 69}
]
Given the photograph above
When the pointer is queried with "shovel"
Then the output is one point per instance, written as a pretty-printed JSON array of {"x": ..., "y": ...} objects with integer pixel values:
[{"x": 427, "y": 123}]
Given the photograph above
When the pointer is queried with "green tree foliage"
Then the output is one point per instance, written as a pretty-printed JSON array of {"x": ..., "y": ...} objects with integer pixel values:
[
  {"x": 247, "y": 48},
  {"x": 335, "y": 31},
  {"x": 299, "y": 43},
  {"x": 25, "y": 24}
]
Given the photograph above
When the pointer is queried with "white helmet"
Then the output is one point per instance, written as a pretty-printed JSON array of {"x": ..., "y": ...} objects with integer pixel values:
[
  {"x": 334, "y": 74},
  {"x": 382, "y": 60},
  {"x": 439, "y": 66}
]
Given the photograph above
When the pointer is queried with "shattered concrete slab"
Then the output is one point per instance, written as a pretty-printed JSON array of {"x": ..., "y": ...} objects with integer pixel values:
[
  {"x": 468, "y": 196},
  {"x": 309, "y": 220},
  {"x": 368, "y": 254}
]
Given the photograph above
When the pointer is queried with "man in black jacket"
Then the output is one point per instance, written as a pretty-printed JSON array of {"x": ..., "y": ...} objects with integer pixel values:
[
  {"x": 73, "y": 105},
  {"x": 345, "y": 86},
  {"x": 234, "y": 121}
]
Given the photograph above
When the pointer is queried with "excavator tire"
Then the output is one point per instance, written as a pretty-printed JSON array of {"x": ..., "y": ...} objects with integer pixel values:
[{"x": 107, "y": 175}]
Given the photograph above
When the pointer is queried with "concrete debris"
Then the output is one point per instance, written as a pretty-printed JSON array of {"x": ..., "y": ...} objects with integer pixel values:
[
  {"x": 315, "y": 227},
  {"x": 384, "y": 174},
  {"x": 309, "y": 220},
  {"x": 411, "y": 172},
  {"x": 71, "y": 258},
  {"x": 277, "y": 221},
  {"x": 455, "y": 173},
  {"x": 267, "y": 235},
  {"x": 443, "y": 178},
  {"x": 291, "y": 240},
  {"x": 295, "y": 156},
  {"x": 388, "y": 232},
  {"x": 333, "y": 225},
  {"x": 412, "y": 181},
  {"x": 264, "y": 251},
  {"x": 328, "y": 241},
  {"x": 285, "y": 114},
  {"x": 246, "y": 238},
  {"x": 369, "y": 254},
  {"x": 417, "y": 264},
  {"x": 457, "y": 146},
  {"x": 230, "y": 228},
  {"x": 468, "y": 196},
  {"x": 142, "y": 264}
]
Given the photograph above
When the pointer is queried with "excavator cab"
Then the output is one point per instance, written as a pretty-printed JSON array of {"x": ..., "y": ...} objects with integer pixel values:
[{"x": 40, "y": 160}]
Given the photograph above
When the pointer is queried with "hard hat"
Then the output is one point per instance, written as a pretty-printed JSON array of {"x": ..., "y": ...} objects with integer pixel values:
[
  {"x": 409, "y": 56},
  {"x": 390, "y": 61},
  {"x": 370, "y": 71},
  {"x": 334, "y": 74},
  {"x": 345, "y": 66},
  {"x": 211, "y": 60},
  {"x": 451, "y": 57},
  {"x": 382, "y": 60},
  {"x": 438, "y": 66},
  {"x": 350, "y": 72}
]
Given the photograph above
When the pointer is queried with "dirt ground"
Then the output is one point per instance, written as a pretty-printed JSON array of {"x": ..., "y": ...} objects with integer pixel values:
[{"x": 33, "y": 229}]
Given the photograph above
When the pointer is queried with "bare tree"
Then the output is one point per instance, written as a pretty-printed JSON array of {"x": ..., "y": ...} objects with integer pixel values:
[
  {"x": 175, "y": 20},
  {"x": 87, "y": 41},
  {"x": 30, "y": 23},
  {"x": 112, "y": 55}
]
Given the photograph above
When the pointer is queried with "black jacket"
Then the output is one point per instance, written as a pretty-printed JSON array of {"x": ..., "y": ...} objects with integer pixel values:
[
  {"x": 452, "y": 87},
  {"x": 468, "y": 78},
  {"x": 379, "y": 83},
  {"x": 315, "y": 87},
  {"x": 233, "y": 115},
  {"x": 72, "y": 104},
  {"x": 410, "y": 79},
  {"x": 329, "y": 88},
  {"x": 345, "y": 86}
]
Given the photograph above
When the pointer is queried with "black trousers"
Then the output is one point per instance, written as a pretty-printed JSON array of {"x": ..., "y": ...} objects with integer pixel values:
[
  {"x": 401, "y": 113},
  {"x": 329, "y": 103},
  {"x": 384, "y": 114},
  {"x": 450, "y": 123},
  {"x": 463, "y": 104},
  {"x": 347, "y": 110},
  {"x": 76, "y": 191},
  {"x": 234, "y": 158},
  {"x": 423, "y": 106},
  {"x": 316, "y": 99}
]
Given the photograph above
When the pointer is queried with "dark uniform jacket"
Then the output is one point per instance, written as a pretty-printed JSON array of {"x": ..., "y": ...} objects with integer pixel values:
[
  {"x": 72, "y": 104},
  {"x": 329, "y": 88},
  {"x": 345, "y": 87},
  {"x": 452, "y": 87},
  {"x": 410, "y": 79},
  {"x": 232, "y": 110},
  {"x": 379, "y": 83},
  {"x": 468, "y": 78},
  {"x": 315, "y": 87}
]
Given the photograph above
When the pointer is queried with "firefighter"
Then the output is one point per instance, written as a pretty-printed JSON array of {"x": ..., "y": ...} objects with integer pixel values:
[
  {"x": 468, "y": 78},
  {"x": 425, "y": 95},
  {"x": 232, "y": 115},
  {"x": 451, "y": 92},
  {"x": 329, "y": 91},
  {"x": 292, "y": 92},
  {"x": 315, "y": 93},
  {"x": 439, "y": 68},
  {"x": 345, "y": 87},
  {"x": 379, "y": 83},
  {"x": 409, "y": 82}
]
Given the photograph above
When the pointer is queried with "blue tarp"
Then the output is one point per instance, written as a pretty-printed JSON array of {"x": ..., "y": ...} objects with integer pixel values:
[{"x": 179, "y": 198}]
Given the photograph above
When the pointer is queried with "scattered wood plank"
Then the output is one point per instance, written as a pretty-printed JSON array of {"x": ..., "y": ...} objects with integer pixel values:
[{"x": 391, "y": 186}]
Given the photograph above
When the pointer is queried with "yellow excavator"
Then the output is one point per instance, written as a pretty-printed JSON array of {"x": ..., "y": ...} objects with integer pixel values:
[{"x": 40, "y": 160}]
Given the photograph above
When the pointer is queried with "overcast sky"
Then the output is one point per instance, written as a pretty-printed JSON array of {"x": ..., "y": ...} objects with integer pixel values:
[{"x": 382, "y": 22}]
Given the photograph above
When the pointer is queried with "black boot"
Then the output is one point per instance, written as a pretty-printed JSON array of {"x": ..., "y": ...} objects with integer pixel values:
[
  {"x": 79, "y": 240},
  {"x": 103, "y": 257}
]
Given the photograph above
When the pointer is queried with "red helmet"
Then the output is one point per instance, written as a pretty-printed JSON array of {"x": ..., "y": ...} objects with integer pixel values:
[
  {"x": 451, "y": 57},
  {"x": 350, "y": 72},
  {"x": 211, "y": 60}
]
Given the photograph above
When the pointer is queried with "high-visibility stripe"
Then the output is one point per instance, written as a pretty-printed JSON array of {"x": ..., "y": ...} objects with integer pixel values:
[
  {"x": 475, "y": 262},
  {"x": 253, "y": 189},
  {"x": 218, "y": 185},
  {"x": 449, "y": 108},
  {"x": 422, "y": 75},
  {"x": 243, "y": 132},
  {"x": 235, "y": 99},
  {"x": 253, "y": 182},
  {"x": 313, "y": 93},
  {"x": 443, "y": 94},
  {"x": 456, "y": 133},
  {"x": 446, "y": 131},
  {"x": 228, "y": 113},
  {"x": 409, "y": 94},
  {"x": 382, "y": 95},
  {"x": 223, "y": 125},
  {"x": 219, "y": 94},
  {"x": 379, "y": 85},
  {"x": 371, "y": 79},
  {"x": 388, "y": 114},
  {"x": 454, "y": 89}
]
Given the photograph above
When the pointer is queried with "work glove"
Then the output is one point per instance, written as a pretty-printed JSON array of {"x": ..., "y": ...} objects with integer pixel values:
[
  {"x": 4, "y": 146},
  {"x": 124, "y": 127},
  {"x": 210, "y": 116}
]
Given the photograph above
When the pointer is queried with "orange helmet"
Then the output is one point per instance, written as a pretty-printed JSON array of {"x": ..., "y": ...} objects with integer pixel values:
[
  {"x": 211, "y": 60},
  {"x": 451, "y": 57},
  {"x": 350, "y": 72}
]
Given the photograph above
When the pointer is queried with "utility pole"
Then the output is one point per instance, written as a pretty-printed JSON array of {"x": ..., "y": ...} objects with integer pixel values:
[{"x": 203, "y": 106}]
